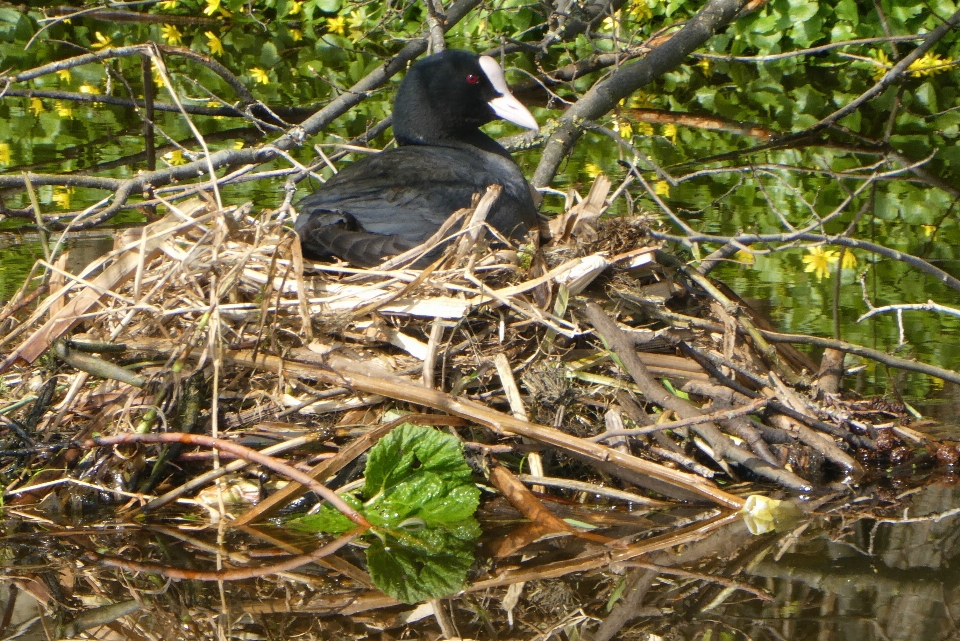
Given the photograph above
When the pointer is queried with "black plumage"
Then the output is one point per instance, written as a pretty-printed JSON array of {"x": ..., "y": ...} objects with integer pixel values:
[{"x": 390, "y": 202}]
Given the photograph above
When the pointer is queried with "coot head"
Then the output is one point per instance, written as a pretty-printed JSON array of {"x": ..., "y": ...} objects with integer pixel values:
[{"x": 447, "y": 96}]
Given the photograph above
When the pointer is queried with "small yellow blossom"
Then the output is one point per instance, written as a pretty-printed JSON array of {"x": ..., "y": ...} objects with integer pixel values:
[
  {"x": 64, "y": 74},
  {"x": 5, "y": 154},
  {"x": 883, "y": 63},
  {"x": 745, "y": 257},
  {"x": 63, "y": 110},
  {"x": 849, "y": 260},
  {"x": 36, "y": 106},
  {"x": 238, "y": 145},
  {"x": 929, "y": 64},
  {"x": 61, "y": 197},
  {"x": 670, "y": 132},
  {"x": 644, "y": 129},
  {"x": 175, "y": 157},
  {"x": 639, "y": 99},
  {"x": 171, "y": 34},
  {"x": 661, "y": 188},
  {"x": 212, "y": 7},
  {"x": 592, "y": 169},
  {"x": 296, "y": 35},
  {"x": 704, "y": 64},
  {"x": 357, "y": 18},
  {"x": 167, "y": 5},
  {"x": 337, "y": 25},
  {"x": 259, "y": 75},
  {"x": 928, "y": 230},
  {"x": 625, "y": 129},
  {"x": 295, "y": 8},
  {"x": 640, "y": 11},
  {"x": 102, "y": 41},
  {"x": 90, "y": 90},
  {"x": 818, "y": 261},
  {"x": 214, "y": 43}
]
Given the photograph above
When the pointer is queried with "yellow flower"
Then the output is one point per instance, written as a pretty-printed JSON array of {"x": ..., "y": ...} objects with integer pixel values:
[
  {"x": 883, "y": 63},
  {"x": 928, "y": 230},
  {"x": 337, "y": 25},
  {"x": 849, "y": 260},
  {"x": 167, "y": 5},
  {"x": 296, "y": 35},
  {"x": 62, "y": 110},
  {"x": 36, "y": 106},
  {"x": 593, "y": 170},
  {"x": 357, "y": 18},
  {"x": 212, "y": 6},
  {"x": 818, "y": 261},
  {"x": 90, "y": 90},
  {"x": 64, "y": 74},
  {"x": 625, "y": 129},
  {"x": 238, "y": 145},
  {"x": 102, "y": 41},
  {"x": 213, "y": 43},
  {"x": 705, "y": 65},
  {"x": 61, "y": 197},
  {"x": 639, "y": 99},
  {"x": 640, "y": 11},
  {"x": 171, "y": 34},
  {"x": 295, "y": 8},
  {"x": 670, "y": 132},
  {"x": 661, "y": 188},
  {"x": 5, "y": 154},
  {"x": 259, "y": 75},
  {"x": 645, "y": 128},
  {"x": 928, "y": 65},
  {"x": 745, "y": 257},
  {"x": 175, "y": 157}
]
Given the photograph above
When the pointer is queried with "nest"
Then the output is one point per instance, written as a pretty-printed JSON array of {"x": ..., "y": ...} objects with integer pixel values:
[{"x": 602, "y": 366}]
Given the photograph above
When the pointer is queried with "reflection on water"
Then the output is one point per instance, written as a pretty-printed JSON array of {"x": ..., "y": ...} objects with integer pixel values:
[
  {"x": 20, "y": 250},
  {"x": 876, "y": 566}
]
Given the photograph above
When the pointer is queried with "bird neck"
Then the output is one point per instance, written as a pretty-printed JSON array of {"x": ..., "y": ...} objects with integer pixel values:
[{"x": 461, "y": 139}]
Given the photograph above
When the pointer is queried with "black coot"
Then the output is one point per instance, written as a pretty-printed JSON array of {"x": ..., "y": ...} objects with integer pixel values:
[{"x": 390, "y": 202}]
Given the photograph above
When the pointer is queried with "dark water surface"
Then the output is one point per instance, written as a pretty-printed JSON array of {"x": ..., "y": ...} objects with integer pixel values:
[{"x": 880, "y": 565}]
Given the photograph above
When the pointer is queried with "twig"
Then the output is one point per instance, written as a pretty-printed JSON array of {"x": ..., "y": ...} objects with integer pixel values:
[
  {"x": 243, "y": 452},
  {"x": 696, "y": 420}
]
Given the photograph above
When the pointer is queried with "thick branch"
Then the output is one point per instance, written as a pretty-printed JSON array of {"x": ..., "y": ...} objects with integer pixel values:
[{"x": 604, "y": 95}]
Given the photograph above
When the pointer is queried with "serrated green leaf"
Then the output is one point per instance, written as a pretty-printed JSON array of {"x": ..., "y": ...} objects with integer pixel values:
[
  {"x": 328, "y": 518},
  {"x": 411, "y": 449},
  {"x": 429, "y": 565}
]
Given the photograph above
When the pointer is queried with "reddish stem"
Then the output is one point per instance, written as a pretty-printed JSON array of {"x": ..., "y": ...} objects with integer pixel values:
[{"x": 243, "y": 452}]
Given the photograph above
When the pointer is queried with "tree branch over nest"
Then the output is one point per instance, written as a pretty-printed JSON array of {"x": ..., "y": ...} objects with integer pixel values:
[{"x": 604, "y": 95}]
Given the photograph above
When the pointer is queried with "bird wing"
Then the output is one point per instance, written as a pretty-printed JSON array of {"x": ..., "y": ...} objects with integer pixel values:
[{"x": 407, "y": 192}]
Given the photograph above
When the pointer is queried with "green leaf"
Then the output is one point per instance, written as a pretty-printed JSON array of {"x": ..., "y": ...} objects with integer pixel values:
[
  {"x": 410, "y": 450},
  {"x": 927, "y": 96},
  {"x": 847, "y": 10},
  {"x": 852, "y": 121},
  {"x": 328, "y": 518},
  {"x": 429, "y": 564},
  {"x": 269, "y": 55},
  {"x": 617, "y": 593}
]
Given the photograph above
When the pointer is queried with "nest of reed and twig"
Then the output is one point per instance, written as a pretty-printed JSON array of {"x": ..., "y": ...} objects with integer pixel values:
[{"x": 610, "y": 371}]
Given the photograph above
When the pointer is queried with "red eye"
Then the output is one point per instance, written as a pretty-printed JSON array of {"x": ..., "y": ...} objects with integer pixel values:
[{"x": 473, "y": 78}]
